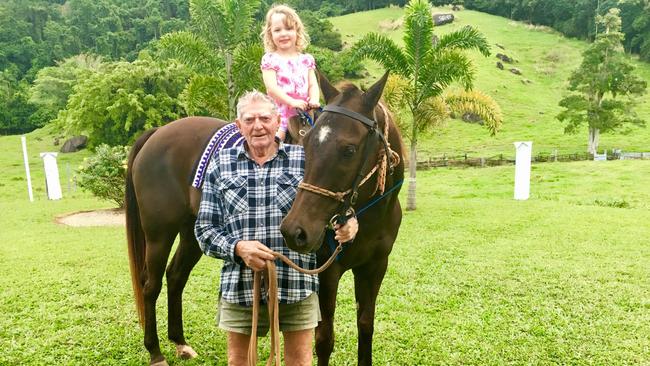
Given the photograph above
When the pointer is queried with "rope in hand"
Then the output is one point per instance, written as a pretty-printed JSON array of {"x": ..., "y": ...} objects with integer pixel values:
[{"x": 271, "y": 283}]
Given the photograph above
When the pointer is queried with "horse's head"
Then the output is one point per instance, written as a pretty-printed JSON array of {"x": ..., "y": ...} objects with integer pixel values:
[{"x": 342, "y": 146}]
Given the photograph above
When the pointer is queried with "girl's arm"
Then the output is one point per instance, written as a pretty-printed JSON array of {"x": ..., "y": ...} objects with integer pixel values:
[
  {"x": 314, "y": 92},
  {"x": 275, "y": 92}
]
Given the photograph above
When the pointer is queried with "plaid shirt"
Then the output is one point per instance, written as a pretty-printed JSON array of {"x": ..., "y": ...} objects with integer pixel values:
[{"x": 243, "y": 201}]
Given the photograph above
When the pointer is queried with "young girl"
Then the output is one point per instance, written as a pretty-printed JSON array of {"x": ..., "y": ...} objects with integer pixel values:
[{"x": 288, "y": 74}]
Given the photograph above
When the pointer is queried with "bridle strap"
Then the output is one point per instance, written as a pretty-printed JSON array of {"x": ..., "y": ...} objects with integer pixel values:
[{"x": 352, "y": 114}]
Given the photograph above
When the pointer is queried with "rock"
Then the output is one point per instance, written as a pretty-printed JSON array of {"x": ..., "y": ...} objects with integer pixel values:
[
  {"x": 472, "y": 118},
  {"x": 74, "y": 144},
  {"x": 515, "y": 71},
  {"x": 505, "y": 58},
  {"x": 499, "y": 65},
  {"x": 441, "y": 19},
  {"x": 456, "y": 8}
]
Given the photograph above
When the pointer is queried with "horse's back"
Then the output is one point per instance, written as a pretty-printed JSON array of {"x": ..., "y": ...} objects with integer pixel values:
[{"x": 163, "y": 167}]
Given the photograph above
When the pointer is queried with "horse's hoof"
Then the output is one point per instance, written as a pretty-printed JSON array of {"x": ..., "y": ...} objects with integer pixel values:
[
  {"x": 159, "y": 363},
  {"x": 185, "y": 352}
]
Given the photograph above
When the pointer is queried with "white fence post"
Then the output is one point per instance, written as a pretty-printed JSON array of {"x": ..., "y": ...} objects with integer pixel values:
[
  {"x": 52, "y": 176},
  {"x": 522, "y": 169},
  {"x": 29, "y": 177}
]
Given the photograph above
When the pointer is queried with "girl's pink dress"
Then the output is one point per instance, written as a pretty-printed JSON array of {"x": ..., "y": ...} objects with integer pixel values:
[{"x": 292, "y": 76}]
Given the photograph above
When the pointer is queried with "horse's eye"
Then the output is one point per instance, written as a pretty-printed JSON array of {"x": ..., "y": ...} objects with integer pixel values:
[{"x": 349, "y": 151}]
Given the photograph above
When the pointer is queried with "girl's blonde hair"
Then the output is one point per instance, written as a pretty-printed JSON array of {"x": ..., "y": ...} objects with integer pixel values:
[{"x": 291, "y": 19}]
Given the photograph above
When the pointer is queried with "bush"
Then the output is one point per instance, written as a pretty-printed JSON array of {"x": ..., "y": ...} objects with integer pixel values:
[
  {"x": 117, "y": 103},
  {"x": 336, "y": 65},
  {"x": 104, "y": 174}
]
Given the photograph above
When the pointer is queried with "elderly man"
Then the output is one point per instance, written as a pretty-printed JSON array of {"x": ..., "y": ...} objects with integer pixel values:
[{"x": 247, "y": 192}]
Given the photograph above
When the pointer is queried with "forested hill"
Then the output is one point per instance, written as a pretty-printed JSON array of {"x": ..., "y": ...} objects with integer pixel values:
[{"x": 36, "y": 33}]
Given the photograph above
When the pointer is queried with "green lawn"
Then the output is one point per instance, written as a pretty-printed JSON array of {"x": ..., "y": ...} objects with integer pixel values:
[
  {"x": 545, "y": 58},
  {"x": 475, "y": 277}
]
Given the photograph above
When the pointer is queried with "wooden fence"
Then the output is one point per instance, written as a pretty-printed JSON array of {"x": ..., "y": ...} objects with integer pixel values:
[{"x": 498, "y": 160}]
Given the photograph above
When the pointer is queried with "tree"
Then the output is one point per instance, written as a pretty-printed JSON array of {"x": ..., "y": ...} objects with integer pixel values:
[
  {"x": 222, "y": 50},
  {"x": 426, "y": 69},
  {"x": 53, "y": 85},
  {"x": 635, "y": 16},
  {"x": 603, "y": 87},
  {"x": 321, "y": 31},
  {"x": 117, "y": 103}
]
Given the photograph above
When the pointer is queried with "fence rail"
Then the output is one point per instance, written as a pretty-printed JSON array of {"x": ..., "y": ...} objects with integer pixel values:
[{"x": 498, "y": 160}]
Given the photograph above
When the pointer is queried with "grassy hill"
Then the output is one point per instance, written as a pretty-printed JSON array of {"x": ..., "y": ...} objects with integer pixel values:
[{"x": 545, "y": 57}]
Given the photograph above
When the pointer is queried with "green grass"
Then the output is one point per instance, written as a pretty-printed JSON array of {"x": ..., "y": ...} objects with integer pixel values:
[
  {"x": 475, "y": 277},
  {"x": 546, "y": 58}
]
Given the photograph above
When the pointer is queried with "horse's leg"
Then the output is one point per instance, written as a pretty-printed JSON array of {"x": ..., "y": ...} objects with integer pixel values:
[
  {"x": 178, "y": 271},
  {"x": 329, "y": 284},
  {"x": 158, "y": 248},
  {"x": 367, "y": 280}
]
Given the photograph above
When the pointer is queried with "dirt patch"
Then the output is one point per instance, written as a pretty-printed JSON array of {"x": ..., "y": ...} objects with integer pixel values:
[{"x": 108, "y": 217}]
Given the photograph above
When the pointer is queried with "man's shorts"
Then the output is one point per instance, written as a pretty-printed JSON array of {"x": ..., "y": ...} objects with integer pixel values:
[{"x": 301, "y": 315}]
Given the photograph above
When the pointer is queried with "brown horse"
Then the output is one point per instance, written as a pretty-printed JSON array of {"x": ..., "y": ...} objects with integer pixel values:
[
  {"x": 161, "y": 204},
  {"x": 340, "y": 153}
]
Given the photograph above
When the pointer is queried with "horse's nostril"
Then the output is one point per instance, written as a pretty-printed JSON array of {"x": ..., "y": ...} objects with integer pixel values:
[{"x": 301, "y": 237}]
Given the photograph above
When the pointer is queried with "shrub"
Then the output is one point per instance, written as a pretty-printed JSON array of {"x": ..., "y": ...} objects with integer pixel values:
[{"x": 104, "y": 174}]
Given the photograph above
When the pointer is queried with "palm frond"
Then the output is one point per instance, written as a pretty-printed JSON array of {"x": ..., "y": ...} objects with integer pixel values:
[
  {"x": 477, "y": 103},
  {"x": 466, "y": 38},
  {"x": 241, "y": 15},
  {"x": 227, "y": 23},
  {"x": 397, "y": 96},
  {"x": 383, "y": 50},
  {"x": 431, "y": 113},
  {"x": 441, "y": 70},
  {"x": 209, "y": 20},
  {"x": 418, "y": 32},
  {"x": 191, "y": 50},
  {"x": 206, "y": 95},
  {"x": 246, "y": 67}
]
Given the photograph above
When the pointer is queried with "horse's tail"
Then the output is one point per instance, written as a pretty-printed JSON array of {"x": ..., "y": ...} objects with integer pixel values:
[{"x": 134, "y": 233}]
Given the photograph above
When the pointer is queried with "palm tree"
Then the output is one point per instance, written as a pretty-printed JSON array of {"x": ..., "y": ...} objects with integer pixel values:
[
  {"x": 223, "y": 51},
  {"x": 425, "y": 67}
]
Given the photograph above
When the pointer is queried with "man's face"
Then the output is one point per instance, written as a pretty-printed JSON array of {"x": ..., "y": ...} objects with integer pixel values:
[{"x": 258, "y": 124}]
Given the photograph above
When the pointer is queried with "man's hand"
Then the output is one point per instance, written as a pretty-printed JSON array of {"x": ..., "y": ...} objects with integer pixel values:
[
  {"x": 253, "y": 253},
  {"x": 347, "y": 232}
]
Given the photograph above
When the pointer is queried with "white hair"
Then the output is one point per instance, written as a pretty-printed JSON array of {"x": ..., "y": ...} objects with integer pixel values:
[{"x": 254, "y": 96}]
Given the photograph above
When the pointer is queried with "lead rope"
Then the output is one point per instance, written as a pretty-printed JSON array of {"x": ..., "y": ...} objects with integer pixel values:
[{"x": 271, "y": 282}]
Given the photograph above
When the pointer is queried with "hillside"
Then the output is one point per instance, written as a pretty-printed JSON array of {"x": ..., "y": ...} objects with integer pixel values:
[{"x": 544, "y": 57}]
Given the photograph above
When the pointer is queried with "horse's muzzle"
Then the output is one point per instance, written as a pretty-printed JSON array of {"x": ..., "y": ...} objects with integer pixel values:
[{"x": 299, "y": 238}]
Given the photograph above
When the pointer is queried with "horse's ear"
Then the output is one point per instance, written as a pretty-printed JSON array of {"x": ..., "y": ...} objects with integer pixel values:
[
  {"x": 329, "y": 91},
  {"x": 372, "y": 95}
]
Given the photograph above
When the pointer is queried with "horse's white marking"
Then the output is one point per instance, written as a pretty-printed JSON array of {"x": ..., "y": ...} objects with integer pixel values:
[{"x": 323, "y": 133}]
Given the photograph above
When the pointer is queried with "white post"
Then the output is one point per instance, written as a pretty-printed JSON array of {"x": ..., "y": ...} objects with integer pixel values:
[
  {"x": 52, "y": 176},
  {"x": 522, "y": 169},
  {"x": 29, "y": 177}
]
